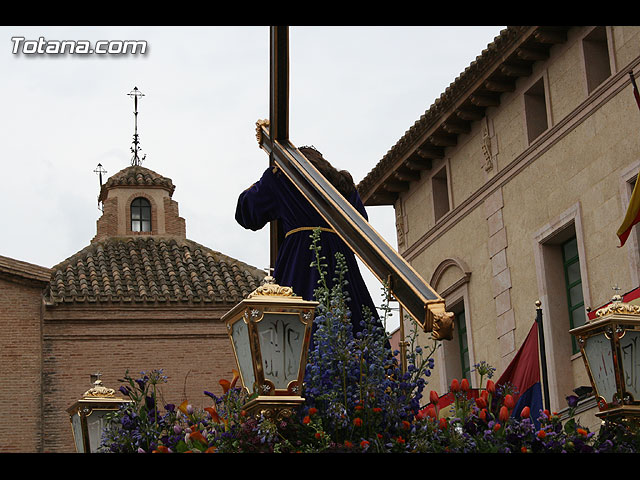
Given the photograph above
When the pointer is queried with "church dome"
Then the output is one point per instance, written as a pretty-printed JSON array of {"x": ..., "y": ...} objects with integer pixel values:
[{"x": 136, "y": 176}]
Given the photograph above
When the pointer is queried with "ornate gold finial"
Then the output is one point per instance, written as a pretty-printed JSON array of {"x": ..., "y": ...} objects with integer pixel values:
[
  {"x": 538, "y": 303},
  {"x": 98, "y": 390},
  {"x": 270, "y": 288},
  {"x": 618, "y": 306}
]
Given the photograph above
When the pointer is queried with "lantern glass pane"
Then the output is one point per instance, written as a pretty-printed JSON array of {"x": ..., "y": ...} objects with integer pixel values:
[
  {"x": 95, "y": 426},
  {"x": 598, "y": 351},
  {"x": 281, "y": 338},
  {"x": 240, "y": 336},
  {"x": 76, "y": 425},
  {"x": 629, "y": 346}
]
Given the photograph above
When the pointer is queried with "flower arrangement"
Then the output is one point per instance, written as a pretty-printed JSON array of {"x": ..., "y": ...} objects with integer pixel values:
[{"x": 357, "y": 399}]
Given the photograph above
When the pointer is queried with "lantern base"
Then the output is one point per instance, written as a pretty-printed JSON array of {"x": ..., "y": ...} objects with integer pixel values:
[
  {"x": 625, "y": 413},
  {"x": 274, "y": 406}
]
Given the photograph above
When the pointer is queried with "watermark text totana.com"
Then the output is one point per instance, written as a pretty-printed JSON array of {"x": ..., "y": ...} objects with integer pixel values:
[{"x": 41, "y": 46}]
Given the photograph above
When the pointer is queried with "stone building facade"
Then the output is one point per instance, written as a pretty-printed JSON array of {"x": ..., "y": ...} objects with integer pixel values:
[
  {"x": 140, "y": 296},
  {"x": 510, "y": 189}
]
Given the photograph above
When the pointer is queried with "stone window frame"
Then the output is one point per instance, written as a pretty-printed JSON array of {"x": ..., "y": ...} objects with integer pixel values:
[
  {"x": 558, "y": 351},
  {"x": 454, "y": 294}
]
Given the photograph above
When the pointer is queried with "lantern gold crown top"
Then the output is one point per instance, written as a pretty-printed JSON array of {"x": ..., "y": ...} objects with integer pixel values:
[
  {"x": 270, "y": 288},
  {"x": 617, "y": 306},
  {"x": 98, "y": 390}
]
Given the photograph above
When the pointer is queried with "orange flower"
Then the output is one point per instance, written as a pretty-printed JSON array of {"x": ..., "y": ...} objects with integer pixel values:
[
  {"x": 364, "y": 444},
  {"x": 433, "y": 397},
  {"x": 526, "y": 412},
  {"x": 348, "y": 444},
  {"x": 183, "y": 407},
  {"x": 226, "y": 385},
  {"x": 496, "y": 427},
  {"x": 504, "y": 414},
  {"x": 306, "y": 420},
  {"x": 582, "y": 431},
  {"x": 161, "y": 449},
  {"x": 318, "y": 435},
  {"x": 464, "y": 385},
  {"x": 357, "y": 422},
  {"x": 524, "y": 449},
  {"x": 377, "y": 409},
  {"x": 406, "y": 425},
  {"x": 541, "y": 434},
  {"x": 400, "y": 440},
  {"x": 491, "y": 387},
  {"x": 234, "y": 380},
  {"x": 359, "y": 407},
  {"x": 313, "y": 411},
  {"x": 210, "y": 450},
  {"x": 509, "y": 402},
  {"x": 213, "y": 413},
  {"x": 455, "y": 385},
  {"x": 198, "y": 437}
]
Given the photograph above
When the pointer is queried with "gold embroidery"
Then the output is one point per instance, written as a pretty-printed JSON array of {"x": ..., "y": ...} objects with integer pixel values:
[{"x": 300, "y": 229}]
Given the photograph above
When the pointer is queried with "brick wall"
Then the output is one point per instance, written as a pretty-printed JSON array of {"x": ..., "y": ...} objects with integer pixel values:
[
  {"x": 189, "y": 344},
  {"x": 20, "y": 364}
]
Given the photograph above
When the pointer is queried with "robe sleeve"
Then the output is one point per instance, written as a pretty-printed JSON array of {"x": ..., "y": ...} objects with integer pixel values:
[{"x": 258, "y": 204}]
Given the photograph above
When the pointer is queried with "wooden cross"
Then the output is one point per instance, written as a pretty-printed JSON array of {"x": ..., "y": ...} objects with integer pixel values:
[{"x": 405, "y": 284}]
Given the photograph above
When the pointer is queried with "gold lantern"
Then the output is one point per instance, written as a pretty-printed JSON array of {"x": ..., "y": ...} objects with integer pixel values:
[
  {"x": 610, "y": 346},
  {"x": 270, "y": 332},
  {"x": 87, "y": 415}
]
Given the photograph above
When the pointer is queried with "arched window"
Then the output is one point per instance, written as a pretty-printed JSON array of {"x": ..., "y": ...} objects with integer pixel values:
[{"x": 140, "y": 215}]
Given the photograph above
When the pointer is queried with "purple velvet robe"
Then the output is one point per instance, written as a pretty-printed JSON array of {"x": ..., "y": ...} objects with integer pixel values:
[{"x": 274, "y": 197}]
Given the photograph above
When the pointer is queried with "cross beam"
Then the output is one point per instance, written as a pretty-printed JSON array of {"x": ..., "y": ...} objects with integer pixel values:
[{"x": 406, "y": 286}]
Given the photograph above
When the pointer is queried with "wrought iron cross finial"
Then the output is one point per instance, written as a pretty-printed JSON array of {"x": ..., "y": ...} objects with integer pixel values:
[{"x": 136, "y": 160}]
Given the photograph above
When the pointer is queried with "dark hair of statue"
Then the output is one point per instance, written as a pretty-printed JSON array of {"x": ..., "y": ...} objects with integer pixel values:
[{"x": 340, "y": 179}]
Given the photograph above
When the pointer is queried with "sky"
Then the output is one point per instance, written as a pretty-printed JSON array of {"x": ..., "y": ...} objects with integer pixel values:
[{"x": 354, "y": 91}]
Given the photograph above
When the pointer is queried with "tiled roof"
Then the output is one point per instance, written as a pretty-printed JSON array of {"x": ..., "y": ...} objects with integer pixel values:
[
  {"x": 136, "y": 175},
  {"x": 151, "y": 269},
  {"x": 511, "y": 48},
  {"x": 29, "y": 271}
]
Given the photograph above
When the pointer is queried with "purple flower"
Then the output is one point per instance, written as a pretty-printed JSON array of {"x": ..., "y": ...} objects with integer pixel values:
[{"x": 572, "y": 401}]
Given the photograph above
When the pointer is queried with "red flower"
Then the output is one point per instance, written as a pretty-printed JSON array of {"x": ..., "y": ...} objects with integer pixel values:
[
  {"x": 198, "y": 437},
  {"x": 364, "y": 444},
  {"x": 348, "y": 444},
  {"x": 491, "y": 387},
  {"x": 481, "y": 402},
  {"x": 509, "y": 402},
  {"x": 359, "y": 407},
  {"x": 582, "y": 431},
  {"x": 526, "y": 411},
  {"x": 313, "y": 411},
  {"x": 485, "y": 395},
  {"x": 455, "y": 385},
  {"x": 379, "y": 435},
  {"x": 318, "y": 435},
  {"x": 442, "y": 424},
  {"x": 504, "y": 414},
  {"x": 433, "y": 397},
  {"x": 483, "y": 415},
  {"x": 357, "y": 422},
  {"x": 524, "y": 449},
  {"x": 306, "y": 420},
  {"x": 464, "y": 385},
  {"x": 496, "y": 427},
  {"x": 406, "y": 425},
  {"x": 400, "y": 440},
  {"x": 377, "y": 409},
  {"x": 542, "y": 434}
]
